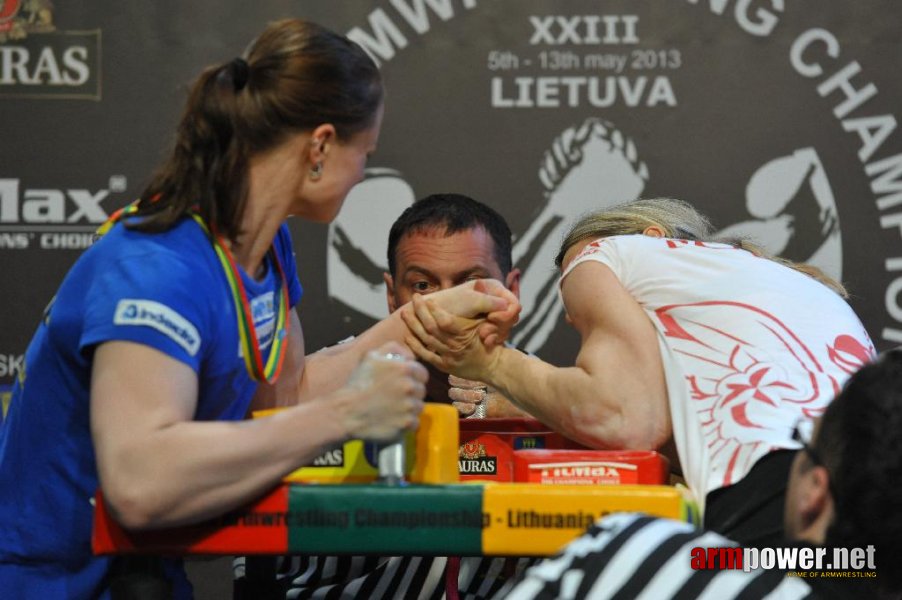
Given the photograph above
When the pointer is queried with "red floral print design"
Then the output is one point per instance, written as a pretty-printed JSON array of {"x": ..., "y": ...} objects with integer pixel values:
[{"x": 750, "y": 384}]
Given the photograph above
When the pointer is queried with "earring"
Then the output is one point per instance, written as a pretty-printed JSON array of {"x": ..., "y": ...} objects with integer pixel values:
[{"x": 317, "y": 171}]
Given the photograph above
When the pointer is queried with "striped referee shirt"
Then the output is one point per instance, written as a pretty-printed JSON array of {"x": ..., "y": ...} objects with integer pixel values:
[
  {"x": 628, "y": 555},
  {"x": 383, "y": 578}
]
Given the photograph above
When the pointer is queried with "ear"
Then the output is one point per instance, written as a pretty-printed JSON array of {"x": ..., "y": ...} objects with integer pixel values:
[
  {"x": 815, "y": 503},
  {"x": 512, "y": 282},
  {"x": 389, "y": 292},
  {"x": 321, "y": 140},
  {"x": 654, "y": 231}
]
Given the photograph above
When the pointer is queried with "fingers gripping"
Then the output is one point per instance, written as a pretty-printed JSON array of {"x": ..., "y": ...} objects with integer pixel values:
[{"x": 394, "y": 386}]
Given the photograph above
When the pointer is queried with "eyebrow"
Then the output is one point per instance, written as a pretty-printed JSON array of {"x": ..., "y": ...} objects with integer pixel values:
[{"x": 481, "y": 272}]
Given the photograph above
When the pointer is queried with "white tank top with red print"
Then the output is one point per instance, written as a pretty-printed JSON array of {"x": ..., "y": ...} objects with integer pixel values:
[{"x": 749, "y": 347}]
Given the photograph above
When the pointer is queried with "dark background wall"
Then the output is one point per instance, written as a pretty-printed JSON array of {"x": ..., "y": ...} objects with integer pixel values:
[{"x": 777, "y": 118}]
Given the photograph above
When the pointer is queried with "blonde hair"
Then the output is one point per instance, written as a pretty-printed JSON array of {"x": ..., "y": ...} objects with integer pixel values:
[{"x": 678, "y": 220}]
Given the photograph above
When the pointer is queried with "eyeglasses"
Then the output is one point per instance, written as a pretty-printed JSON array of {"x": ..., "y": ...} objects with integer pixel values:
[{"x": 805, "y": 441}]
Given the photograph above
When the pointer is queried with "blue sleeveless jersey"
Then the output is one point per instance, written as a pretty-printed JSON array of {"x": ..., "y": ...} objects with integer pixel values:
[{"x": 167, "y": 291}]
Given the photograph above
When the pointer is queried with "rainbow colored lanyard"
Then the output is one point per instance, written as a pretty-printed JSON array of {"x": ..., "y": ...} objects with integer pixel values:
[
  {"x": 250, "y": 344},
  {"x": 115, "y": 218}
]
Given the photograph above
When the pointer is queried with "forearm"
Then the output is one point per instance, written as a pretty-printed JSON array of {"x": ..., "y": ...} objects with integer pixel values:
[
  {"x": 158, "y": 467},
  {"x": 500, "y": 406},
  {"x": 591, "y": 406},
  {"x": 328, "y": 369},
  {"x": 190, "y": 471},
  {"x": 538, "y": 387}
]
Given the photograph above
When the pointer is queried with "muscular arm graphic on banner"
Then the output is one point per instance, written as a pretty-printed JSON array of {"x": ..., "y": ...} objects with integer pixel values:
[
  {"x": 794, "y": 212},
  {"x": 589, "y": 166},
  {"x": 355, "y": 258}
]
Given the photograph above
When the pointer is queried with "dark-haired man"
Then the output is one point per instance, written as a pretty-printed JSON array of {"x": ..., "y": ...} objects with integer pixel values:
[
  {"x": 438, "y": 242},
  {"x": 441, "y": 241},
  {"x": 843, "y": 499}
]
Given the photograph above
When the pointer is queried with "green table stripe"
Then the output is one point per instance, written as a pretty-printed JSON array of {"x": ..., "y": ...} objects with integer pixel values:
[{"x": 377, "y": 519}]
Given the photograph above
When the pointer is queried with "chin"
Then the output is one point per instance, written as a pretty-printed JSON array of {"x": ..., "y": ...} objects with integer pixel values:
[
  {"x": 329, "y": 215},
  {"x": 323, "y": 217}
]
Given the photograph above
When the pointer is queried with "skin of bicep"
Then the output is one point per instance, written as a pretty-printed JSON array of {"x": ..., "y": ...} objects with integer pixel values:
[
  {"x": 619, "y": 351},
  {"x": 135, "y": 392},
  {"x": 329, "y": 369}
]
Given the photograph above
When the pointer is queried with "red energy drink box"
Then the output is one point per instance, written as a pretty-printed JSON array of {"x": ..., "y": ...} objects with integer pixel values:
[
  {"x": 487, "y": 446},
  {"x": 591, "y": 467}
]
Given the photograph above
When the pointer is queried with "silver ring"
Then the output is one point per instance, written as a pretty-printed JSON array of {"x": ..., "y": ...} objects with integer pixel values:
[
  {"x": 393, "y": 356},
  {"x": 479, "y": 411}
]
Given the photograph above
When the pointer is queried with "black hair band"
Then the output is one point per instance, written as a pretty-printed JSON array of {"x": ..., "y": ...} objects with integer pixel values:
[{"x": 240, "y": 71}]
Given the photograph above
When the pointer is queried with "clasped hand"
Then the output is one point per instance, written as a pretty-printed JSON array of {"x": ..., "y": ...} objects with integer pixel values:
[
  {"x": 394, "y": 386},
  {"x": 470, "y": 398},
  {"x": 460, "y": 330}
]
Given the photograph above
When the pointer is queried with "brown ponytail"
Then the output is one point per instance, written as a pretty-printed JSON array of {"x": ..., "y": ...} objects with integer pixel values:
[{"x": 296, "y": 75}]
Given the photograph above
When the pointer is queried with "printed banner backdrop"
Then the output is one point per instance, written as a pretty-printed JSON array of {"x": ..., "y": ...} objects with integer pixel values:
[{"x": 777, "y": 118}]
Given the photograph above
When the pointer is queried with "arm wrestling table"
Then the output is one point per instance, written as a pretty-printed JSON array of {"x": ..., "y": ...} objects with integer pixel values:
[{"x": 336, "y": 506}]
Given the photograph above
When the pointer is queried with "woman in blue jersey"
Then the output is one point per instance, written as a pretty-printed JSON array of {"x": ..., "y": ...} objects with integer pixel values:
[{"x": 180, "y": 319}]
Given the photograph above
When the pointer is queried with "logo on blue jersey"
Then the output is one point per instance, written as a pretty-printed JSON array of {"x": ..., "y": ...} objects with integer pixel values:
[
  {"x": 263, "y": 311},
  {"x": 148, "y": 313}
]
